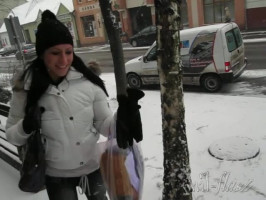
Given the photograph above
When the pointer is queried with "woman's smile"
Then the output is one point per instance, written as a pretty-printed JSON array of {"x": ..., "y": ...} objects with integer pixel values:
[{"x": 58, "y": 60}]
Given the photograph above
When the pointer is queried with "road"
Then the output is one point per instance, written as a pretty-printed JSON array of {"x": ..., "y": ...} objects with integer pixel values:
[
  {"x": 104, "y": 56},
  {"x": 255, "y": 52}
]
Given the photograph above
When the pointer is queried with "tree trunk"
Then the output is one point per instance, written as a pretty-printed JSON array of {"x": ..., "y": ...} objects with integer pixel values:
[
  {"x": 112, "y": 30},
  {"x": 177, "y": 180}
]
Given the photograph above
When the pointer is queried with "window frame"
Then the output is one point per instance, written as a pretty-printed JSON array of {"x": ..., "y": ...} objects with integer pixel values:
[
  {"x": 87, "y": 22},
  {"x": 214, "y": 10}
]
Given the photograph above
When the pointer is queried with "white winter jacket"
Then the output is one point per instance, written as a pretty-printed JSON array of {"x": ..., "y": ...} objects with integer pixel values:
[{"x": 76, "y": 111}]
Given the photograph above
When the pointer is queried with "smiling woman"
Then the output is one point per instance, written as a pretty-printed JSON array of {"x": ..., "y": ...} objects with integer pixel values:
[
  {"x": 64, "y": 98},
  {"x": 56, "y": 82}
]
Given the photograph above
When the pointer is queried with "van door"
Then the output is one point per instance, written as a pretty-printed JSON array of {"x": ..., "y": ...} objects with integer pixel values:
[
  {"x": 149, "y": 67},
  {"x": 234, "y": 56},
  {"x": 199, "y": 58}
]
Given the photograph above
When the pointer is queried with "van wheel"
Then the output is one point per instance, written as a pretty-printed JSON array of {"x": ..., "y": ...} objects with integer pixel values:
[
  {"x": 134, "y": 81},
  {"x": 211, "y": 83},
  {"x": 134, "y": 43}
]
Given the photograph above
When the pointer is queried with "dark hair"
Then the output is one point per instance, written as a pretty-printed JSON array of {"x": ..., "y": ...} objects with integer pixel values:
[{"x": 41, "y": 80}]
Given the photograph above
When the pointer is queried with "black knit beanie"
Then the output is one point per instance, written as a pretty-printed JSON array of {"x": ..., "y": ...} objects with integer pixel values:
[{"x": 51, "y": 32}]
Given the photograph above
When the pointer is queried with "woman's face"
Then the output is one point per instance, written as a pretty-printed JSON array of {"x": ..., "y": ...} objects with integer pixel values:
[{"x": 58, "y": 60}]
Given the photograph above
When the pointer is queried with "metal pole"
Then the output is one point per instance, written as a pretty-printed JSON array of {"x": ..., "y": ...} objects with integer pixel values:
[{"x": 16, "y": 36}]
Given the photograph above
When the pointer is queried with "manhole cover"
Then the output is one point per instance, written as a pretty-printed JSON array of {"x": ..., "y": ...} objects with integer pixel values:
[{"x": 234, "y": 149}]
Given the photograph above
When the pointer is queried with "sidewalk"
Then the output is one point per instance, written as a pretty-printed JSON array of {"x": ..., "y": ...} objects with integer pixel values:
[{"x": 254, "y": 34}]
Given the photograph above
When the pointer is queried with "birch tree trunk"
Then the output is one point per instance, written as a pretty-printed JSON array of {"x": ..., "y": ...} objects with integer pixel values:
[
  {"x": 112, "y": 30},
  {"x": 177, "y": 180}
]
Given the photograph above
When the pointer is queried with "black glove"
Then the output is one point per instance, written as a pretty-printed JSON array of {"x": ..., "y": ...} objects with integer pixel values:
[
  {"x": 122, "y": 129},
  {"x": 128, "y": 124},
  {"x": 32, "y": 119},
  {"x": 135, "y": 125}
]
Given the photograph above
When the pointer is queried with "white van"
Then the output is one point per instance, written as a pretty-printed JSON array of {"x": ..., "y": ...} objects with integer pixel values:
[{"x": 211, "y": 55}]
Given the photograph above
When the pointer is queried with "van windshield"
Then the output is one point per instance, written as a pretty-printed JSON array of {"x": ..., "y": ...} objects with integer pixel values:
[{"x": 234, "y": 39}]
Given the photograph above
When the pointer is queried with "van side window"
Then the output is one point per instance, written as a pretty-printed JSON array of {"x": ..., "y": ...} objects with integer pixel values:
[
  {"x": 231, "y": 42},
  {"x": 234, "y": 39},
  {"x": 152, "y": 54}
]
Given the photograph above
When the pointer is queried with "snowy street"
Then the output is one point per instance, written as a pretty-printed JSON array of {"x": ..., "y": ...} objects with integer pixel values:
[{"x": 209, "y": 118}]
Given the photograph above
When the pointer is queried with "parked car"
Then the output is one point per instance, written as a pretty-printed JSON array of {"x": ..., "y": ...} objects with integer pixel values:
[
  {"x": 145, "y": 37},
  {"x": 6, "y": 51},
  {"x": 211, "y": 55},
  {"x": 28, "y": 51}
]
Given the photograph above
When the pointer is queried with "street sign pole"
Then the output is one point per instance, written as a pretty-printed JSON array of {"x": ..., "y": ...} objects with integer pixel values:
[
  {"x": 15, "y": 34},
  {"x": 17, "y": 38}
]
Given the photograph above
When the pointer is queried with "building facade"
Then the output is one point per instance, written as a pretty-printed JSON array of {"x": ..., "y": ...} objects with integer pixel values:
[
  {"x": 29, "y": 15},
  {"x": 131, "y": 17},
  {"x": 85, "y": 21},
  {"x": 6, "y": 7},
  {"x": 255, "y": 14},
  {"x": 134, "y": 15},
  {"x": 89, "y": 22},
  {"x": 63, "y": 15},
  {"x": 203, "y": 12}
]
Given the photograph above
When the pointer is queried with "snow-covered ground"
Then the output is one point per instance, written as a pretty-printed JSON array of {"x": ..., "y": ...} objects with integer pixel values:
[{"x": 209, "y": 118}]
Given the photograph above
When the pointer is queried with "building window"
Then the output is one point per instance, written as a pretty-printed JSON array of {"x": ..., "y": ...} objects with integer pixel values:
[
  {"x": 89, "y": 26},
  {"x": 184, "y": 15},
  {"x": 79, "y": 1},
  {"x": 217, "y": 11}
]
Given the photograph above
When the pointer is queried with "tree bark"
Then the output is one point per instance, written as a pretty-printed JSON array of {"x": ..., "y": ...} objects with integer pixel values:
[
  {"x": 112, "y": 30},
  {"x": 177, "y": 180}
]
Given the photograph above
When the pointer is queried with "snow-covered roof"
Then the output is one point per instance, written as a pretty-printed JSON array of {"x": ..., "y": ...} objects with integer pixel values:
[{"x": 29, "y": 11}]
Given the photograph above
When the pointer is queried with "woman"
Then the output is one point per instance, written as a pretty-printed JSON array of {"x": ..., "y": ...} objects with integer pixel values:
[{"x": 69, "y": 100}]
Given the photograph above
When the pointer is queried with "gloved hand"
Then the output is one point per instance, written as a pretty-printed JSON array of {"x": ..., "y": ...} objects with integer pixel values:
[
  {"x": 32, "y": 119},
  {"x": 135, "y": 125},
  {"x": 122, "y": 129},
  {"x": 128, "y": 125}
]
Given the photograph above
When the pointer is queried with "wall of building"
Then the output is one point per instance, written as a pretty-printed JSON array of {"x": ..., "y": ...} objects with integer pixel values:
[
  {"x": 196, "y": 13},
  {"x": 6, "y": 6},
  {"x": 135, "y": 3},
  {"x": 31, "y": 29},
  {"x": 255, "y": 4},
  {"x": 240, "y": 14},
  {"x": 256, "y": 17},
  {"x": 62, "y": 15},
  {"x": 130, "y": 23},
  {"x": 125, "y": 24},
  {"x": 85, "y": 9},
  {"x": 69, "y": 21}
]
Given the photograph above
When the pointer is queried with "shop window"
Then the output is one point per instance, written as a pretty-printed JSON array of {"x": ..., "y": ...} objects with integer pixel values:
[
  {"x": 89, "y": 26},
  {"x": 217, "y": 11}
]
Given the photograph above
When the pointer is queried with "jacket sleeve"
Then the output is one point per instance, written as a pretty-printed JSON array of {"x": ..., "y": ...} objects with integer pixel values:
[
  {"x": 104, "y": 119},
  {"x": 14, "y": 130}
]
